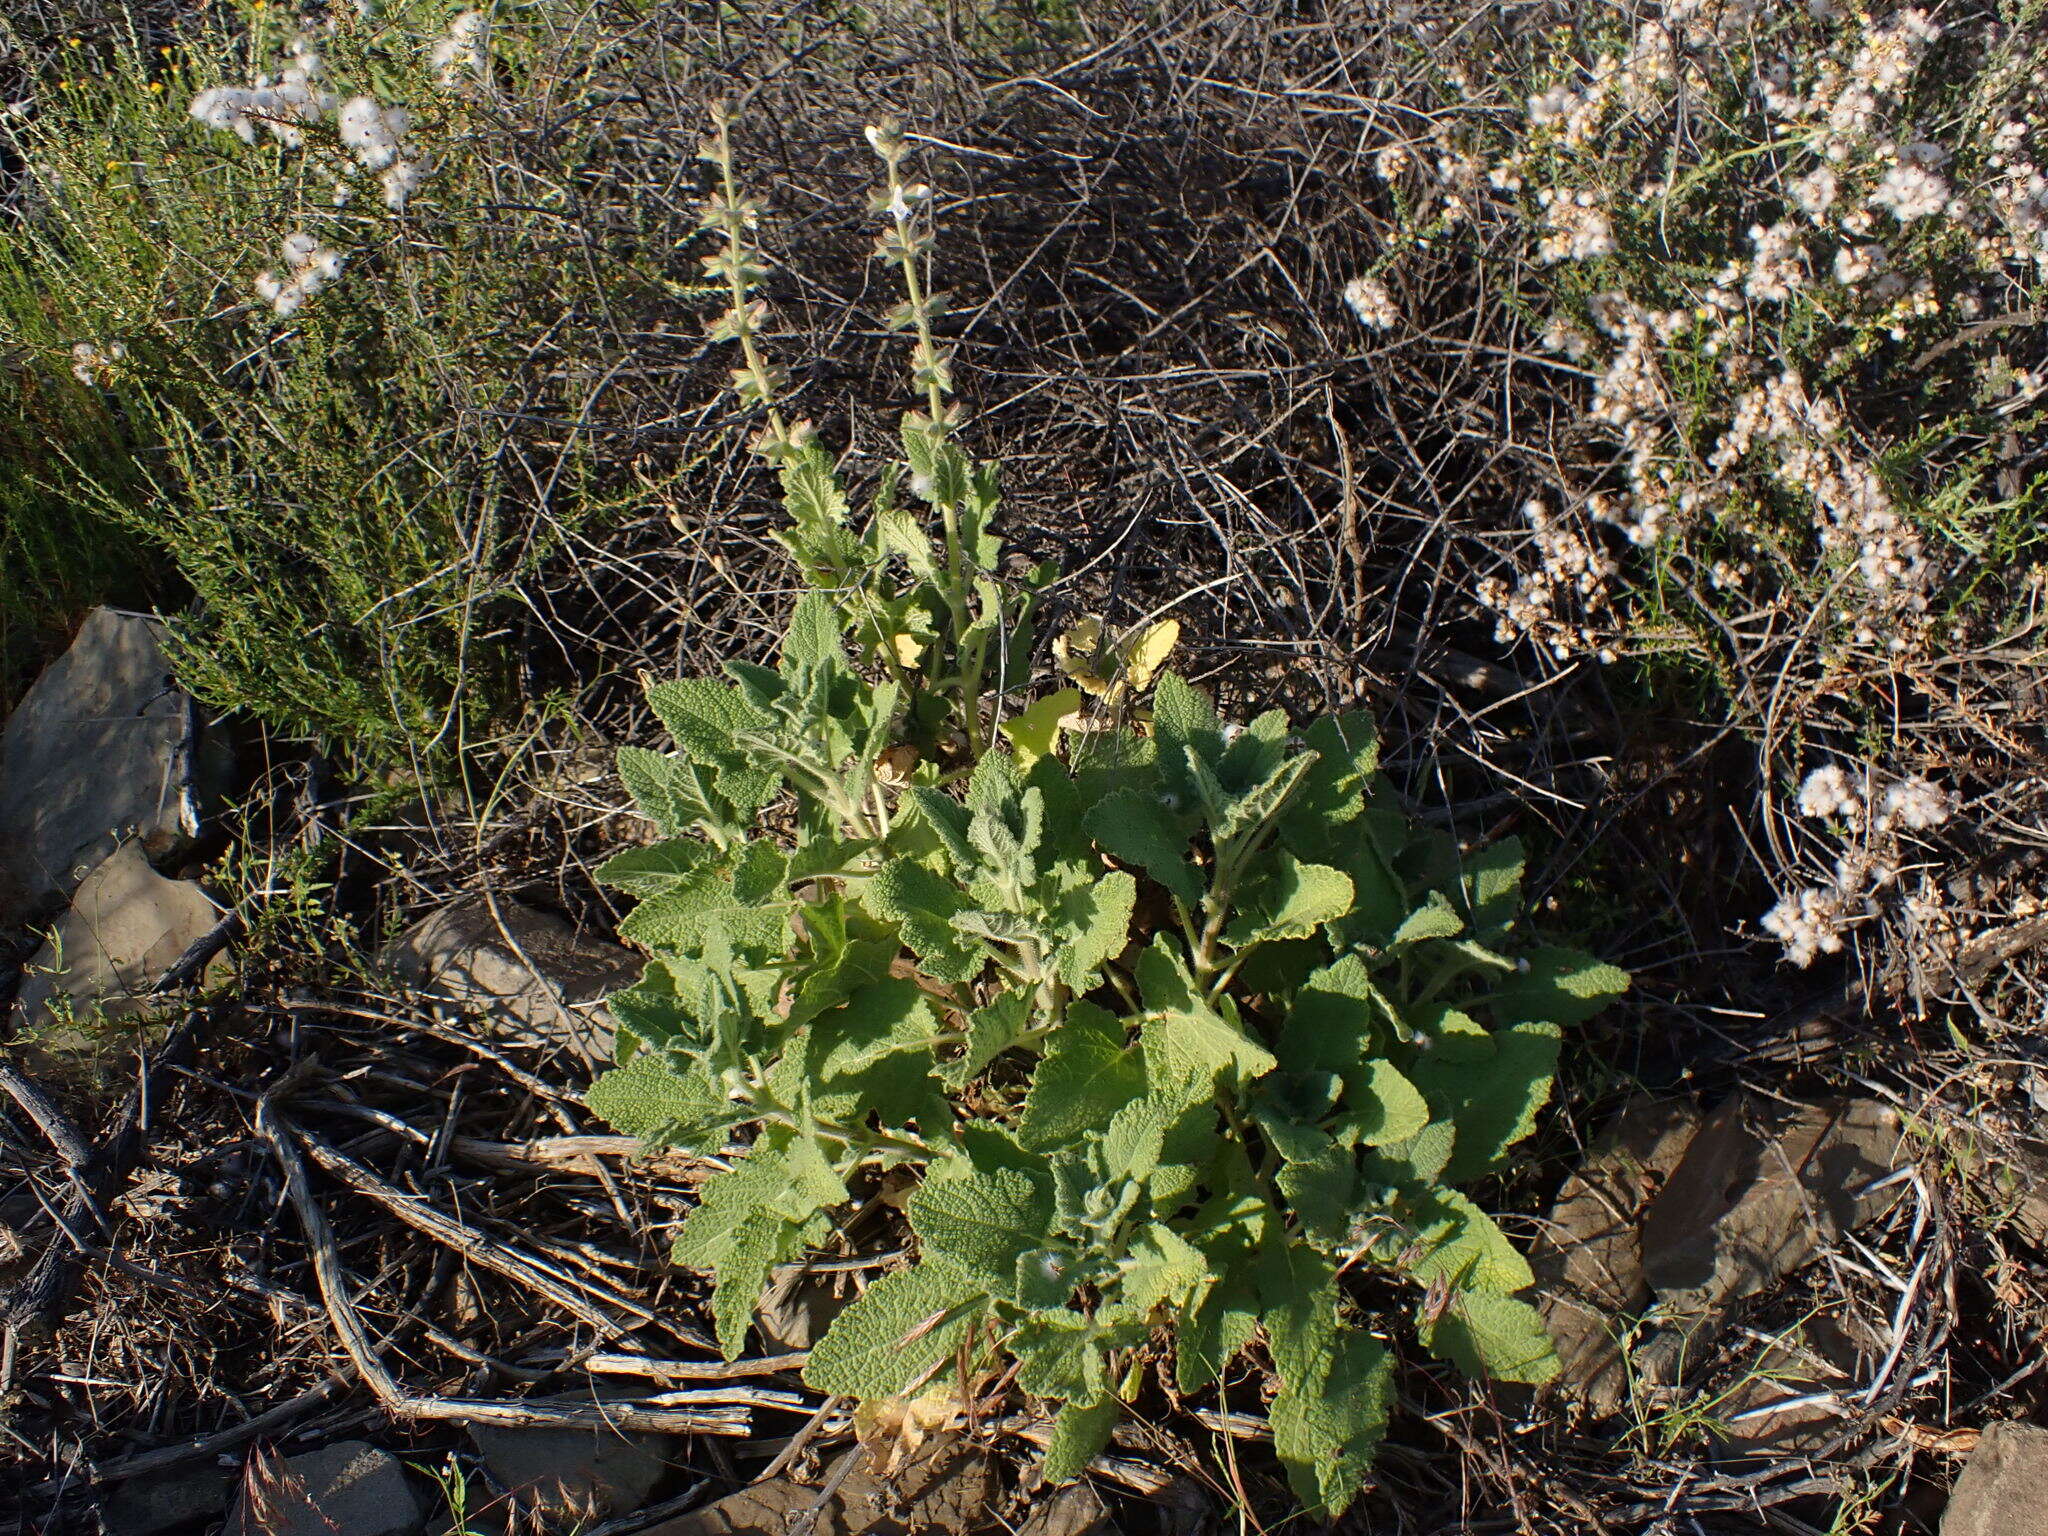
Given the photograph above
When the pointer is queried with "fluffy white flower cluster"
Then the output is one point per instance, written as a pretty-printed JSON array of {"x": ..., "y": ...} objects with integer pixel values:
[
  {"x": 1917, "y": 804},
  {"x": 1811, "y": 922},
  {"x": 96, "y": 365},
  {"x": 1570, "y": 560},
  {"x": 1372, "y": 303},
  {"x": 1575, "y": 227},
  {"x": 2019, "y": 199},
  {"x": 1808, "y": 923},
  {"x": 1827, "y": 793},
  {"x": 1910, "y": 192},
  {"x": 1779, "y": 265},
  {"x": 1842, "y": 101},
  {"x": 283, "y": 106},
  {"x": 1854, "y": 511},
  {"x": 374, "y": 135},
  {"x": 309, "y": 267},
  {"x": 457, "y": 57},
  {"x": 1664, "y": 50}
]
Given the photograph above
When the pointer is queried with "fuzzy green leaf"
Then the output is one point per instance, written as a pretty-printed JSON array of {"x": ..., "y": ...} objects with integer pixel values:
[
  {"x": 1184, "y": 1037},
  {"x": 656, "y": 869},
  {"x": 1093, "y": 926},
  {"x": 1135, "y": 828},
  {"x": 991, "y": 1030},
  {"x": 1484, "y": 1333},
  {"x": 1492, "y": 886},
  {"x": 924, "y": 906},
  {"x": 813, "y": 637},
  {"x": 1436, "y": 918},
  {"x": 1059, "y": 1356},
  {"x": 1561, "y": 986},
  {"x": 1323, "y": 1190},
  {"x": 898, "y": 1333},
  {"x": 1328, "y": 1422},
  {"x": 1162, "y": 1269},
  {"x": 663, "y": 1106},
  {"x": 898, "y": 532},
  {"x": 1088, "y": 1074},
  {"x": 983, "y": 1221},
  {"x": 1293, "y": 902},
  {"x": 1382, "y": 1105},
  {"x": 1347, "y": 753},
  {"x": 1078, "y": 1437},
  {"x": 704, "y": 716},
  {"x": 759, "y": 1213},
  {"x": 1462, "y": 1245},
  {"x": 674, "y": 793},
  {"x": 1494, "y": 1105}
]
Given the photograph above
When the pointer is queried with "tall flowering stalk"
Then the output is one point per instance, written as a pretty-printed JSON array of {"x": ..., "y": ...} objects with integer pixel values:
[
  {"x": 734, "y": 216},
  {"x": 928, "y": 612},
  {"x": 907, "y": 242}
]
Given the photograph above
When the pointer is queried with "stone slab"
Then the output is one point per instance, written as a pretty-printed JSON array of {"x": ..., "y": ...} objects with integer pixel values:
[
  {"x": 530, "y": 974},
  {"x": 348, "y": 1489},
  {"x": 125, "y": 927},
  {"x": 2004, "y": 1487},
  {"x": 100, "y": 751}
]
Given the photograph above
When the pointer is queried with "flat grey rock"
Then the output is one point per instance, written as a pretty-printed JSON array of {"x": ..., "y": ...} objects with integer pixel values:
[
  {"x": 1785, "y": 1402},
  {"x": 350, "y": 1489},
  {"x": 530, "y": 974},
  {"x": 2004, "y": 1487},
  {"x": 101, "y": 750},
  {"x": 124, "y": 928},
  {"x": 151, "y": 1506},
  {"x": 1588, "y": 1258},
  {"x": 572, "y": 1474},
  {"x": 1763, "y": 1187}
]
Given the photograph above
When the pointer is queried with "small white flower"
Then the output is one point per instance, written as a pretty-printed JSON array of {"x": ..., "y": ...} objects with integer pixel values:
[
  {"x": 1807, "y": 923},
  {"x": 1910, "y": 192},
  {"x": 1814, "y": 193},
  {"x": 400, "y": 181},
  {"x": 1917, "y": 804},
  {"x": 1828, "y": 793},
  {"x": 1371, "y": 302}
]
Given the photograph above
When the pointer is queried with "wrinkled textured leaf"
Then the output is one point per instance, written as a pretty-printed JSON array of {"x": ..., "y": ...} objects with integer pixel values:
[
  {"x": 1561, "y": 986},
  {"x": 1094, "y": 925},
  {"x": 1484, "y": 1333},
  {"x": 1078, "y": 1436},
  {"x": 1294, "y": 902},
  {"x": 1135, "y": 828},
  {"x": 662, "y": 1106},
  {"x": 983, "y": 1221},
  {"x": 1088, "y": 1074},
  {"x": 904, "y": 1327}
]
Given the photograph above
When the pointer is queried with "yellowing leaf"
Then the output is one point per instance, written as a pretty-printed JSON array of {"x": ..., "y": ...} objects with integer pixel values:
[
  {"x": 1145, "y": 652},
  {"x": 1080, "y": 654},
  {"x": 894, "y": 1429},
  {"x": 908, "y": 649},
  {"x": 1112, "y": 672},
  {"x": 1035, "y": 732}
]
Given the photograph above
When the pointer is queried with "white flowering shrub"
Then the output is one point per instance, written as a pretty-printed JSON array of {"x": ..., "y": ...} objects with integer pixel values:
[
  {"x": 1785, "y": 259},
  {"x": 300, "y": 350}
]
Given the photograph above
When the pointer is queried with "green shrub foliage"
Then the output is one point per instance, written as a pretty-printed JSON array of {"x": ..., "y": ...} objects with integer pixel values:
[{"x": 1174, "y": 1026}]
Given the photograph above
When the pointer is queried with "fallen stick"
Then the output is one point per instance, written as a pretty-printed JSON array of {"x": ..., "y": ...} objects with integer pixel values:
[
  {"x": 675, "y": 1370},
  {"x": 480, "y": 1247}
]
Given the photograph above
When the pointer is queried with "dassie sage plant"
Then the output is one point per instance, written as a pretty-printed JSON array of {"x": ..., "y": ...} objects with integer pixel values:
[{"x": 1171, "y": 1027}]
